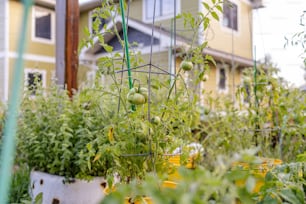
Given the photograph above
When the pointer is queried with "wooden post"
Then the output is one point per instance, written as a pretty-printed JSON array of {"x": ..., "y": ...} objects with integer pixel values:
[{"x": 72, "y": 39}]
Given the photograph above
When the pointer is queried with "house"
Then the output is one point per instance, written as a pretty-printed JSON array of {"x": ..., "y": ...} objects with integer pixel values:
[
  {"x": 229, "y": 39},
  {"x": 39, "y": 57}
]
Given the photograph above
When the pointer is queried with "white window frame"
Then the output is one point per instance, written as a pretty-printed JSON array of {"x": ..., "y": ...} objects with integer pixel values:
[
  {"x": 230, "y": 30},
  {"x": 32, "y": 70},
  {"x": 227, "y": 74},
  {"x": 38, "y": 39},
  {"x": 159, "y": 18}
]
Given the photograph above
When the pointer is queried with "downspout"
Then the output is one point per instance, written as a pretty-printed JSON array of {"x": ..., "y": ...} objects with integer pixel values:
[
  {"x": 60, "y": 10},
  {"x": 232, "y": 60}
]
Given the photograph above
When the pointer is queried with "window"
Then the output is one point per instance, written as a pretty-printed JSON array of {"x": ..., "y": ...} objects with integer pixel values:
[
  {"x": 164, "y": 9},
  {"x": 222, "y": 79},
  {"x": 230, "y": 15},
  {"x": 34, "y": 79},
  {"x": 43, "y": 25}
]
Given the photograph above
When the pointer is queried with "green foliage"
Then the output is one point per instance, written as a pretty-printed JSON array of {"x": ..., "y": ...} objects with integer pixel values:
[
  {"x": 301, "y": 157},
  {"x": 199, "y": 23},
  {"x": 272, "y": 119},
  {"x": 20, "y": 185},
  {"x": 89, "y": 136},
  {"x": 2, "y": 119},
  {"x": 97, "y": 133},
  {"x": 285, "y": 184},
  {"x": 198, "y": 185}
]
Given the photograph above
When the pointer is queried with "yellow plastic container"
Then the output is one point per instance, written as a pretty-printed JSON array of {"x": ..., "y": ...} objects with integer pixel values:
[
  {"x": 169, "y": 184},
  {"x": 141, "y": 200},
  {"x": 175, "y": 161},
  {"x": 258, "y": 170}
]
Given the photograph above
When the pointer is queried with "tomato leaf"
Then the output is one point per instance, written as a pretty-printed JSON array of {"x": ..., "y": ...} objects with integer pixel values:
[{"x": 215, "y": 15}]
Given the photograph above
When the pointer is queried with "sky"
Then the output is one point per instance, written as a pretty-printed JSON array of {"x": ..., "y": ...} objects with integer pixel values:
[{"x": 277, "y": 20}]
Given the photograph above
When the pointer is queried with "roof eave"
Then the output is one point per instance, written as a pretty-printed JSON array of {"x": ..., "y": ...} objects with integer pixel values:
[
  {"x": 256, "y": 4},
  {"x": 219, "y": 55},
  {"x": 46, "y": 3}
]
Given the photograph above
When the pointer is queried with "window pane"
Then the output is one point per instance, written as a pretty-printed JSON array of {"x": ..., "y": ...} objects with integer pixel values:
[
  {"x": 230, "y": 15},
  {"x": 150, "y": 9},
  {"x": 33, "y": 79},
  {"x": 234, "y": 17},
  {"x": 43, "y": 24},
  {"x": 168, "y": 7},
  {"x": 222, "y": 79}
]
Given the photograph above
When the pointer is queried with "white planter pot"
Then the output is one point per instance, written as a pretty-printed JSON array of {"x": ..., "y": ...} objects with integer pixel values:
[{"x": 56, "y": 191}]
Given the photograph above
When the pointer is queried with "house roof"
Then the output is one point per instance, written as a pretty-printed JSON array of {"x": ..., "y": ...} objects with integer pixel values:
[
  {"x": 141, "y": 33},
  {"x": 45, "y": 3},
  {"x": 135, "y": 35},
  {"x": 138, "y": 32},
  {"x": 256, "y": 4}
]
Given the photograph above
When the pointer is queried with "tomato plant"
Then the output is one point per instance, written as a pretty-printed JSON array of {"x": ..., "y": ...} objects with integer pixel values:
[{"x": 285, "y": 184}]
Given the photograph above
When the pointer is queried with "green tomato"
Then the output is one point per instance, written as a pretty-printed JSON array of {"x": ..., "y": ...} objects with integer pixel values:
[
  {"x": 136, "y": 98},
  {"x": 155, "y": 120},
  {"x": 186, "y": 65},
  {"x": 144, "y": 91},
  {"x": 205, "y": 77},
  {"x": 133, "y": 90}
]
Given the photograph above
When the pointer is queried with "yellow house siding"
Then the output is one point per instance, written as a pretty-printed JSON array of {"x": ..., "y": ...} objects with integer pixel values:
[
  {"x": 160, "y": 59},
  {"x": 83, "y": 70},
  {"x": 211, "y": 85},
  {"x": 84, "y": 21},
  {"x": 137, "y": 12},
  {"x": 33, "y": 47},
  {"x": 41, "y": 47},
  {"x": 224, "y": 39},
  {"x": 15, "y": 23}
]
